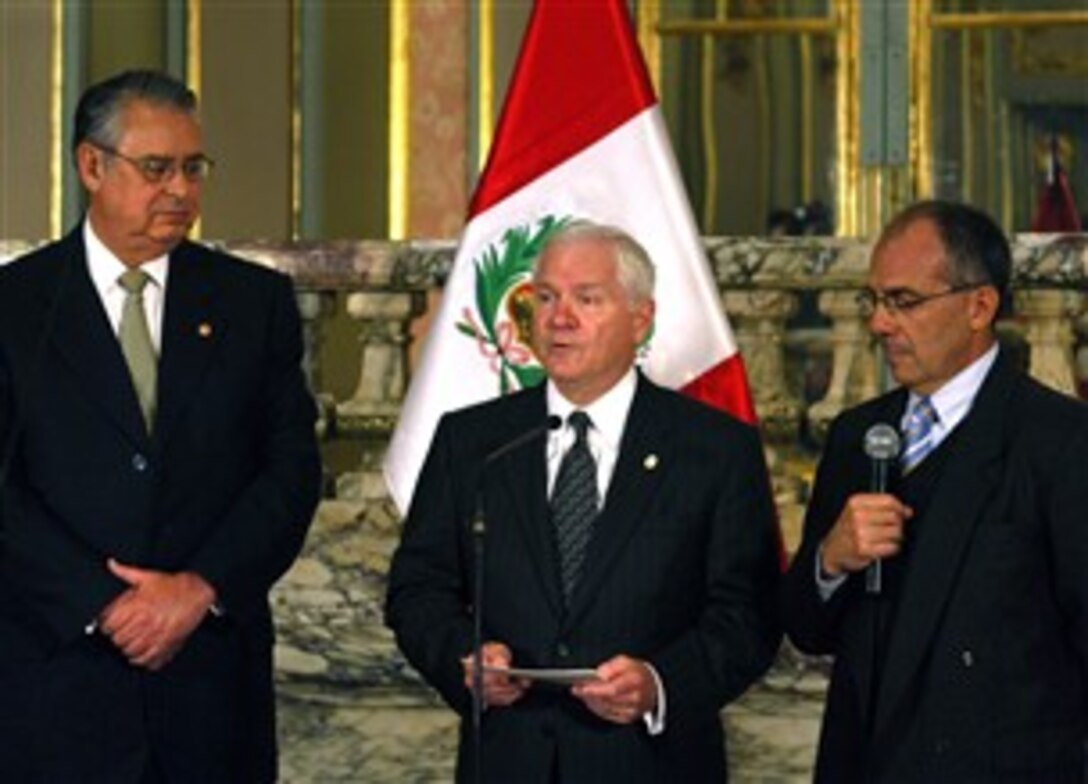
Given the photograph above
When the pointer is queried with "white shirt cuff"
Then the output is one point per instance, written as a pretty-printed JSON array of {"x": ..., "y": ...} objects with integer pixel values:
[
  {"x": 825, "y": 583},
  {"x": 655, "y": 719}
]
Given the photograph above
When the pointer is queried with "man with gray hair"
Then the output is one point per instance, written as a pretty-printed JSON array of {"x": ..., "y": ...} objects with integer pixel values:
[
  {"x": 634, "y": 544},
  {"x": 158, "y": 470}
]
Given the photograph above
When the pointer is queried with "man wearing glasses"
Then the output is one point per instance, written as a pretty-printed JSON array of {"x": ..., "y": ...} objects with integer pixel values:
[
  {"x": 968, "y": 659},
  {"x": 158, "y": 470}
]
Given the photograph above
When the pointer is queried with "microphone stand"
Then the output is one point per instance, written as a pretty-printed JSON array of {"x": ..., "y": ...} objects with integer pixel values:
[{"x": 479, "y": 534}]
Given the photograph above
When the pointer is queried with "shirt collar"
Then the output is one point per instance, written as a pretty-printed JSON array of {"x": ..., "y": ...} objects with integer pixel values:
[
  {"x": 608, "y": 412},
  {"x": 105, "y": 268},
  {"x": 953, "y": 400}
]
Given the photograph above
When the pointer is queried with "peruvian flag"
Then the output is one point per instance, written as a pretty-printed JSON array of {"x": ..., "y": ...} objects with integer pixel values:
[{"x": 581, "y": 136}]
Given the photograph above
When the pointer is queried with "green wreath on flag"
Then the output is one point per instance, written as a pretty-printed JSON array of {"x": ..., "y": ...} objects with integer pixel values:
[{"x": 501, "y": 323}]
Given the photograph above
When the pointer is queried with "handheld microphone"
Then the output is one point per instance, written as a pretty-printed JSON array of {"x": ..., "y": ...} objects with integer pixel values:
[
  {"x": 882, "y": 447},
  {"x": 479, "y": 529}
]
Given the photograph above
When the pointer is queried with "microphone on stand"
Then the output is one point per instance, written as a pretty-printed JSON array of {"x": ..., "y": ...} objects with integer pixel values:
[
  {"x": 479, "y": 534},
  {"x": 882, "y": 447}
]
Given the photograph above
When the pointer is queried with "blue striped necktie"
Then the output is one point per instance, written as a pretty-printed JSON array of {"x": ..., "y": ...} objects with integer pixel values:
[
  {"x": 918, "y": 434},
  {"x": 574, "y": 503}
]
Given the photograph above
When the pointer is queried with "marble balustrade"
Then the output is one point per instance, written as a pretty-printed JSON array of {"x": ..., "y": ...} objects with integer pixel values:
[{"x": 351, "y": 709}]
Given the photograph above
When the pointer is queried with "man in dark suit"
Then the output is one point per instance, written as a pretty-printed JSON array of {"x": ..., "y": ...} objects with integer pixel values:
[
  {"x": 663, "y": 583},
  {"x": 161, "y": 471},
  {"x": 970, "y": 664}
]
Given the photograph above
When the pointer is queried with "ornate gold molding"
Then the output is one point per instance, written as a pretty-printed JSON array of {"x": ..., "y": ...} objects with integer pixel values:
[
  {"x": 727, "y": 27},
  {"x": 649, "y": 17},
  {"x": 708, "y": 122},
  {"x": 485, "y": 111},
  {"x": 847, "y": 121},
  {"x": 399, "y": 116},
  {"x": 194, "y": 55},
  {"x": 1018, "y": 19},
  {"x": 921, "y": 55},
  {"x": 1037, "y": 53},
  {"x": 57, "y": 155}
]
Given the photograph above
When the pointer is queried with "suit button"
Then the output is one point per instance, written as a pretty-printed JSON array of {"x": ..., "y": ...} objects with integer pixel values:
[
  {"x": 968, "y": 658},
  {"x": 139, "y": 463},
  {"x": 562, "y": 650}
]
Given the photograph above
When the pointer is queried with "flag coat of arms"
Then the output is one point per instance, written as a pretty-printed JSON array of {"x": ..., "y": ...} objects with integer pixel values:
[{"x": 581, "y": 135}]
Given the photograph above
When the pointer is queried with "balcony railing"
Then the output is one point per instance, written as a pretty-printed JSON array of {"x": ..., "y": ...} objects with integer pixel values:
[{"x": 791, "y": 303}]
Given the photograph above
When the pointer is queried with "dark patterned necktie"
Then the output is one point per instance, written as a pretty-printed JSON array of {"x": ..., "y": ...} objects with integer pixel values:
[{"x": 574, "y": 503}]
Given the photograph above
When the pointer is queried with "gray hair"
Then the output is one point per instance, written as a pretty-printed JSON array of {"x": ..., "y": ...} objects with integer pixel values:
[
  {"x": 634, "y": 268},
  {"x": 98, "y": 114}
]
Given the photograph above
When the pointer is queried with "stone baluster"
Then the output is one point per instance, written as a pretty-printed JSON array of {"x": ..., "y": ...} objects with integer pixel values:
[
  {"x": 384, "y": 318},
  {"x": 759, "y": 322},
  {"x": 371, "y": 412},
  {"x": 313, "y": 306},
  {"x": 854, "y": 368},
  {"x": 1047, "y": 319}
]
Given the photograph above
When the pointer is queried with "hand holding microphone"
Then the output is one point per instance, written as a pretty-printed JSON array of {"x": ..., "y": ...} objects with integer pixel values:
[{"x": 870, "y": 526}]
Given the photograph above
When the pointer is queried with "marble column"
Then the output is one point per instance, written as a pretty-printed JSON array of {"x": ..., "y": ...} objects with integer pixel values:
[
  {"x": 1047, "y": 319},
  {"x": 854, "y": 368}
]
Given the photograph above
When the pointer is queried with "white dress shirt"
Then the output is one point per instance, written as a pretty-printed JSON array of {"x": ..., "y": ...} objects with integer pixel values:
[
  {"x": 105, "y": 268},
  {"x": 608, "y": 414}
]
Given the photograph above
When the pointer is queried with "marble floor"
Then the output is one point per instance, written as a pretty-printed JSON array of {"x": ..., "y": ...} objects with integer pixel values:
[{"x": 384, "y": 738}]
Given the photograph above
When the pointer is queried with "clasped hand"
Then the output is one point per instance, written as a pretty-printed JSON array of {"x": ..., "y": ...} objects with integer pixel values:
[{"x": 151, "y": 620}]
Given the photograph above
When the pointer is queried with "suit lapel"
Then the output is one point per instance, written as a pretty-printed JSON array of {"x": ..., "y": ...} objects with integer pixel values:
[
  {"x": 529, "y": 497},
  {"x": 971, "y": 476},
  {"x": 630, "y": 493},
  {"x": 82, "y": 335},
  {"x": 192, "y": 331}
]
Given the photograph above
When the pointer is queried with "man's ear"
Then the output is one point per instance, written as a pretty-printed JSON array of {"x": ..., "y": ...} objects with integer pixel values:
[
  {"x": 984, "y": 306},
  {"x": 90, "y": 164},
  {"x": 644, "y": 319}
]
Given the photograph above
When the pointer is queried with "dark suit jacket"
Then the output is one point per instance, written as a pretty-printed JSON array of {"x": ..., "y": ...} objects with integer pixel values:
[
  {"x": 682, "y": 572},
  {"x": 226, "y": 487},
  {"x": 986, "y": 671}
]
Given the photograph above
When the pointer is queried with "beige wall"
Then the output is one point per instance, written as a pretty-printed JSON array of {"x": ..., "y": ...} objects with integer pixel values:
[
  {"x": 249, "y": 56},
  {"x": 24, "y": 120}
]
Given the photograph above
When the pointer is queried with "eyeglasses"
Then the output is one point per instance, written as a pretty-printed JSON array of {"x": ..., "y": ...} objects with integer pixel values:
[
  {"x": 157, "y": 169},
  {"x": 898, "y": 301}
]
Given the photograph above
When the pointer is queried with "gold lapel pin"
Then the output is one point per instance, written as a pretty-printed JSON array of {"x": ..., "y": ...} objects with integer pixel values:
[
  {"x": 204, "y": 329},
  {"x": 649, "y": 462}
]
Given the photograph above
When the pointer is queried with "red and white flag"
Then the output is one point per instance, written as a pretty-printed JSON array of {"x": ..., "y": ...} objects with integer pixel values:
[
  {"x": 1056, "y": 210},
  {"x": 580, "y": 136}
]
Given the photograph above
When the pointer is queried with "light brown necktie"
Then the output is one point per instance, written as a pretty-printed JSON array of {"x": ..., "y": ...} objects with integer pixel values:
[{"x": 136, "y": 343}]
